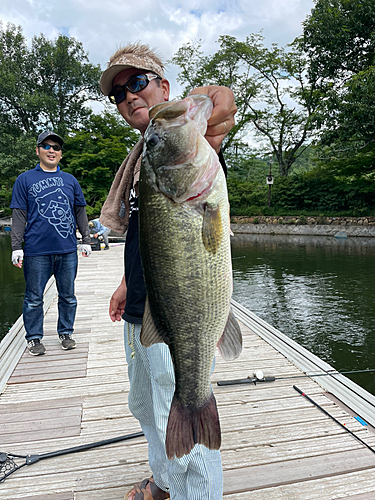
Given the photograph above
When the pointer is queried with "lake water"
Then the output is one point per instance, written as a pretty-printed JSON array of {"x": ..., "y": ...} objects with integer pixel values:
[
  {"x": 318, "y": 290},
  {"x": 12, "y": 287}
]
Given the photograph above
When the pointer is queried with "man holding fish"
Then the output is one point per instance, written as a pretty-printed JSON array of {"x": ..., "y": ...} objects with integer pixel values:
[{"x": 174, "y": 184}]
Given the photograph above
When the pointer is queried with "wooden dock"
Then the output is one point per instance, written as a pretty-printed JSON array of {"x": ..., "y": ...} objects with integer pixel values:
[{"x": 275, "y": 443}]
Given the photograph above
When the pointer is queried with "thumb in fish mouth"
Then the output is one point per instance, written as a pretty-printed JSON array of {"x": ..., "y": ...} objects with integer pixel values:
[{"x": 168, "y": 110}]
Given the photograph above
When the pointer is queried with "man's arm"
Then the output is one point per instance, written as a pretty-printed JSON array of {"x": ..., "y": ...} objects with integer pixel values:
[
  {"x": 118, "y": 301},
  {"x": 82, "y": 223},
  {"x": 19, "y": 220},
  {"x": 101, "y": 230}
]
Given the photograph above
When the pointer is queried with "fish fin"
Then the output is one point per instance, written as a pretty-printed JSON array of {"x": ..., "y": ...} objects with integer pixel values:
[
  {"x": 212, "y": 229},
  {"x": 149, "y": 333},
  {"x": 188, "y": 427},
  {"x": 230, "y": 343}
]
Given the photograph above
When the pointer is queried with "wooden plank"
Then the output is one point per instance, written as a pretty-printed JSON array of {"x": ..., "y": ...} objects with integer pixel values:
[
  {"x": 58, "y": 496},
  {"x": 292, "y": 471},
  {"x": 337, "y": 487},
  {"x": 49, "y": 367},
  {"x": 26, "y": 437},
  {"x": 102, "y": 494},
  {"x": 41, "y": 425},
  {"x": 37, "y": 369},
  {"x": 362, "y": 496},
  {"x": 12, "y": 418},
  {"x": 23, "y": 379},
  {"x": 36, "y": 405}
]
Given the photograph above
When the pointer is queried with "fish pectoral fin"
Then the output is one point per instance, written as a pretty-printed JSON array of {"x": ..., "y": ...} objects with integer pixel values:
[
  {"x": 212, "y": 229},
  {"x": 149, "y": 333},
  {"x": 230, "y": 343}
]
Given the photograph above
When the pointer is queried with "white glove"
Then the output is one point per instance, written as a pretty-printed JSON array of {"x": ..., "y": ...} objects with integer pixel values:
[
  {"x": 86, "y": 249},
  {"x": 17, "y": 255}
]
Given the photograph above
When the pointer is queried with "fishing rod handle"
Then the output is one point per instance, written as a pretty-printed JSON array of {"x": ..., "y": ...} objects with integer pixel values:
[
  {"x": 85, "y": 447},
  {"x": 245, "y": 381}
]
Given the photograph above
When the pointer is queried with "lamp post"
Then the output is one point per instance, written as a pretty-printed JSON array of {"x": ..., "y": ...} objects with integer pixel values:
[{"x": 269, "y": 181}]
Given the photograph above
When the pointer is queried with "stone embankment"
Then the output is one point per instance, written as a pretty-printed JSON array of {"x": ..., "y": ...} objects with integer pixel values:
[{"x": 323, "y": 226}]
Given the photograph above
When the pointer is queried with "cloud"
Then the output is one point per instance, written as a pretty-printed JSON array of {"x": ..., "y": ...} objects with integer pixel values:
[{"x": 165, "y": 25}]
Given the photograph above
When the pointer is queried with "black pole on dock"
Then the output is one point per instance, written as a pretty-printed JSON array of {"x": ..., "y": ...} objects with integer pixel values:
[{"x": 333, "y": 418}]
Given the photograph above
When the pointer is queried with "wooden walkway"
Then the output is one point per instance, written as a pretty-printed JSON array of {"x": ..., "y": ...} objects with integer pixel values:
[{"x": 276, "y": 445}]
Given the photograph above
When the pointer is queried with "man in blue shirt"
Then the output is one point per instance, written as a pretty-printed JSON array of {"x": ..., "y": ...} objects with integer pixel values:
[
  {"x": 47, "y": 206},
  {"x": 100, "y": 230}
]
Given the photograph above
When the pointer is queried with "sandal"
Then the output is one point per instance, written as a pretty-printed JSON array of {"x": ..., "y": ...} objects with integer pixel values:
[{"x": 156, "y": 492}]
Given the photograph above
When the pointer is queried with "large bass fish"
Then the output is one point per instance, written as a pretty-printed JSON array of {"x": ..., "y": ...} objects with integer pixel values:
[{"x": 185, "y": 251}]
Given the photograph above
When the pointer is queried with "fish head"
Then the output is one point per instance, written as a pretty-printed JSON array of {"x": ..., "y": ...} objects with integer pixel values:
[{"x": 174, "y": 145}]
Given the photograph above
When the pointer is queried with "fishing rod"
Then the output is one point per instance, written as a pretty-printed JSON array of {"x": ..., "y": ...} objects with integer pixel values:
[
  {"x": 259, "y": 377},
  {"x": 10, "y": 462},
  {"x": 333, "y": 418}
]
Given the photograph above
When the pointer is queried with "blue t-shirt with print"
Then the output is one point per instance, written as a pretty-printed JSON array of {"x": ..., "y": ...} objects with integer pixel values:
[{"x": 49, "y": 198}]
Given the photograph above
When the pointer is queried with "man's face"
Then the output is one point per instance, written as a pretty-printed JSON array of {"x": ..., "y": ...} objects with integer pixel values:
[
  {"x": 49, "y": 159},
  {"x": 135, "y": 107}
]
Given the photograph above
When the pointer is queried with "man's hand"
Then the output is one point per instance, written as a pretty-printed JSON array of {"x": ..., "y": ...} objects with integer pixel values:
[
  {"x": 86, "y": 250},
  {"x": 117, "y": 302},
  {"x": 222, "y": 118},
  {"x": 17, "y": 258},
  {"x": 96, "y": 235}
]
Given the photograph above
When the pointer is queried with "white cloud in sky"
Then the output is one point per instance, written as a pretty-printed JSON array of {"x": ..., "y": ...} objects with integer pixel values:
[{"x": 165, "y": 24}]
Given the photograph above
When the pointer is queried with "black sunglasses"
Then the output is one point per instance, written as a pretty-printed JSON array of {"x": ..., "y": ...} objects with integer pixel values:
[
  {"x": 55, "y": 147},
  {"x": 135, "y": 84}
]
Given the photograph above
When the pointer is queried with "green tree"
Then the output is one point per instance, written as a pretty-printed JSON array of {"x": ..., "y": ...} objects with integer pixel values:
[
  {"x": 339, "y": 39},
  {"x": 47, "y": 85},
  {"x": 274, "y": 100},
  {"x": 18, "y": 100},
  {"x": 243, "y": 164},
  {"x": 94, "y": 153}
]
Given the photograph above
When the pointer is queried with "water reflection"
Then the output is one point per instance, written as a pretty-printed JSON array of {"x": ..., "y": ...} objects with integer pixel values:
[{"x": 317, "y": 290}]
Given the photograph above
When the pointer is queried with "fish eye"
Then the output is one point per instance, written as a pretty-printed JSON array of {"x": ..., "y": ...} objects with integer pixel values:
[{"x": 153, "y": 140}]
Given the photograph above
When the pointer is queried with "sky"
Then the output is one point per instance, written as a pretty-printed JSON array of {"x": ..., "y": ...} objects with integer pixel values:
[{"x": 104, "y": 25}]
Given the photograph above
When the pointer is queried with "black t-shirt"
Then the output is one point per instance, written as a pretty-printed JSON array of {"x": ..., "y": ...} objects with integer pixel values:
[{"x": 136, "y": 290}]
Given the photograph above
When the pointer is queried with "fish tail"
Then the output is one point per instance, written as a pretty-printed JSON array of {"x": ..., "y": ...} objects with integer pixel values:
[{"x": 190, "y": 426}]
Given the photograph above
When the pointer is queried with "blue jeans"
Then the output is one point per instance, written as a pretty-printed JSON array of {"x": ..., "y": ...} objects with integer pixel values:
[
  {"x": 37, "y": 271},
  {"x": 196, "y": 476}
]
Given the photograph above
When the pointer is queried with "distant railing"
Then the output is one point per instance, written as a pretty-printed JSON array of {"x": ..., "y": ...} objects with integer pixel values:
[{"x": 13, "y": 344}]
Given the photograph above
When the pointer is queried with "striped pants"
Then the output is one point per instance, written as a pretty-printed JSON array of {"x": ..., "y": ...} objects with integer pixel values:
[{"x": 197, "y": 476}]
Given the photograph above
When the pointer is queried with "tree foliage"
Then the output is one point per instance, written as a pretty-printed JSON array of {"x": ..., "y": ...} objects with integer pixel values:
[
  {"x": 339, "y": 39},
  {"x": 47, "y": 85},
  {"x": 275, "y": 102},
  {"x": 94, "y": 153}
]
